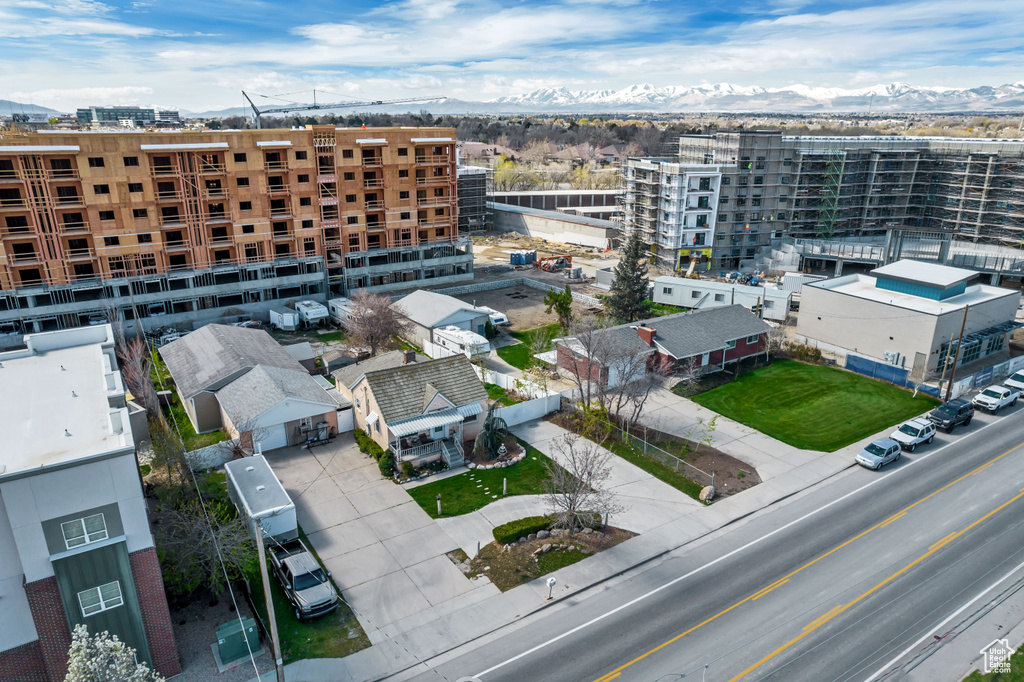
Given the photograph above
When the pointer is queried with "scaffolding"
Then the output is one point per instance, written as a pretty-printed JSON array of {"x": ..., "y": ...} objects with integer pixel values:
[{"x": 475, "y": 184}]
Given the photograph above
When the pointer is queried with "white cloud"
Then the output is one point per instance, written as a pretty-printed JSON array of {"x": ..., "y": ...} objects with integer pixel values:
[{"x": 127, "y": 94}]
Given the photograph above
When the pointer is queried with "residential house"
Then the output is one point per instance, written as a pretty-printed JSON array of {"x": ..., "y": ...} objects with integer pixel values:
[
  {"x": 706, "y": 340},
  {"x": 421, "y": 410},
  {"x": 429, "y": 310},
  {"x": 243, "y": 381},
  {"x": 304, "y": 353},
  {"x": 75, "y": 542}
]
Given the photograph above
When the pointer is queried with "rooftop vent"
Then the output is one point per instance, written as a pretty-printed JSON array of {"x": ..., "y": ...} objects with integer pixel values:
[{"x": 260, "y": 488}]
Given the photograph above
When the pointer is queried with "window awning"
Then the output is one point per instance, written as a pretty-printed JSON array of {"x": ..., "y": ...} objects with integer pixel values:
[
  {"x": 371, "y": 419},
  {"x": 470, "y": 410},
  {"x": 425, "y": 422}
]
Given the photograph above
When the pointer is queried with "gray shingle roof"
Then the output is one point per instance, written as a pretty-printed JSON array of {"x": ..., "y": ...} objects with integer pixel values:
[
  {"x": 684, "y": 335},
  {"x": 429, "y": 308},
  {"x": 348, "y": 376},
  {"x": 400, "y": 391},
  {"x": 263, "y": 387},
  {"x": 211, "y": 354}
]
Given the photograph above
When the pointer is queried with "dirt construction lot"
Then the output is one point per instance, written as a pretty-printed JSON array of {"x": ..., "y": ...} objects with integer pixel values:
[{"x": 523, "y": 305}]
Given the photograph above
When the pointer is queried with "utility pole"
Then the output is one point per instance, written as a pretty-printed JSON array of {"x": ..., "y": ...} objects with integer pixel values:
[
  {"x": 945, "y": 363},
  {"x": 959, "y": 343},
  {"x": 278, "y": 662}
]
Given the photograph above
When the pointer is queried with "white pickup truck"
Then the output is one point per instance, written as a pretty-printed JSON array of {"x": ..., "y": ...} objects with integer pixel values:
[{"x": 995, "y": 398}]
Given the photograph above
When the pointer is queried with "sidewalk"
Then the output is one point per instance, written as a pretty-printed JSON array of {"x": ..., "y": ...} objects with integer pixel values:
[{"x": 666, "y": 520}]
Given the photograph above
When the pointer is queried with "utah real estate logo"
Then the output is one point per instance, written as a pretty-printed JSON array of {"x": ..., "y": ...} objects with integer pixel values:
[{"x": 997, "y": 656}]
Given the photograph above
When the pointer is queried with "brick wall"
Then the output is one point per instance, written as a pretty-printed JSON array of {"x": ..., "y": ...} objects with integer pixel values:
[
  {"x": 573, "y": 364},
  {"x": 23, "y": 664},
  {"x": 52, "y": 626},
  {"x": 156, "y": 617}
]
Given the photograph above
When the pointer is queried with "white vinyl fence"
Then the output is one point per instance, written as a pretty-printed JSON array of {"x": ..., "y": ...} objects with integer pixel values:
[{"x": 541, "y": 402}]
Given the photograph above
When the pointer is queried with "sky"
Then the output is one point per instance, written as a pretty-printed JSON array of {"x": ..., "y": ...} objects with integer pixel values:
[{"x": 198, "y": 55}]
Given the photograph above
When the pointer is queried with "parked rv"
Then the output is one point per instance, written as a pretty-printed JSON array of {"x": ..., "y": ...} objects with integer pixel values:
[
  {"x": 497, "y": 319},
  {"x": 311, "y": 313},
  {"x": 460, "y": 340},
  {"x": 285, "y": 319},
  {"x": 340, "y": 310}
]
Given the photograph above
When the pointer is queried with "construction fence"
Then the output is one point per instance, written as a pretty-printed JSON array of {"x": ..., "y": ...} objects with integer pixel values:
[
  {"x": 513, "y": 282},
  {"x": 901, "y": 377}
]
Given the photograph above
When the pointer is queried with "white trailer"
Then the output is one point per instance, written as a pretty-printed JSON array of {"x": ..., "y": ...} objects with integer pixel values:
[
  {"x": 459, "y": 340},
  {"x": 258, "y": 494},
  {"x": 284, "y": 318},
  {"x": 340, "y": 310},
  {"x": 497, "y": 319},
  {"x": 311, "y": 313}
]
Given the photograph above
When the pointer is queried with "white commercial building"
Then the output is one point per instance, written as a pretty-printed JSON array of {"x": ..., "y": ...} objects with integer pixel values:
[
  {"x": 909, "y": 314},
  {"x": 771, "y": 302}
]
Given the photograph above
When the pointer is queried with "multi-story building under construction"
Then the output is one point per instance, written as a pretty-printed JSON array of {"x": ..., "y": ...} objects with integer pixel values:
[
  {"x": 840, "y": 187},
  {"x": 174, "y": 228}
]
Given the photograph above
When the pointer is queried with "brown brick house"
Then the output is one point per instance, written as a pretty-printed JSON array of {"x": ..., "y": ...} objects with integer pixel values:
[{"x": 707, "y": 339}]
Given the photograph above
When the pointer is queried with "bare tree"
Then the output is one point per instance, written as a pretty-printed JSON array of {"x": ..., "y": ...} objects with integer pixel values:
[
  {"x": 244, "y": 444},
  {"x": 575, "y": 487},
  {"x": 688, "y": 373},
  {"x": 168, "y": 452},
  {"x": 585, "y": 345},
  {"x": 136, "y": 364},
  {"x": 375, "y": 321},
  {"x": 113, "y": 316},
  {"x": 626, "y": 358}
]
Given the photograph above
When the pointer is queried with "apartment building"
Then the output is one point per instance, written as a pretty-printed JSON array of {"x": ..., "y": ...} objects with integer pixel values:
[
  {"x": 674, "y": 207},
  {"x": 75, "y": 542},
  {"x": 116, "y": 116},
  {"x": 178, "y": 227},
  {"x": 838, "y": 187}
]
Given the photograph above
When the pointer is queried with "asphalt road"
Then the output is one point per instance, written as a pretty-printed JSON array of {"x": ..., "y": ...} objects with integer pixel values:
[{"x": 834, "y": 584}]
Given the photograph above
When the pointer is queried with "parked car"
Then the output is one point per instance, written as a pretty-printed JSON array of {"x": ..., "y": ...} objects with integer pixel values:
[
  {"x": 914, "y": 433},
  {"x": 1016, "y": 381},
  {"x": 878, "y": 454},
  {"x": 306, "y": 584},
  {"x": 995, "y": 398},
  {"x": 954, "y": 413}
]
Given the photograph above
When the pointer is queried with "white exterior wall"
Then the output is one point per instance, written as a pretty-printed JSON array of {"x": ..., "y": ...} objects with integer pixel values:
[
  {"x": 34, "y": 499},
  {"x": 15, "y": 614},
  {"x": 686, "y": 293}
]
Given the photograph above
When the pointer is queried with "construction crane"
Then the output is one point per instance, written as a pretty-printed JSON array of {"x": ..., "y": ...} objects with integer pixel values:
[{"x": 257, "y": 113}]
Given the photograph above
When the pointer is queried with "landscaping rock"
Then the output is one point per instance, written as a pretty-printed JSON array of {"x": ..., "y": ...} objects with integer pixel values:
[
  {"x": 470, "y": 465},
  {"x": 542, "y": 534},
  {"x": 572, "y": 547},
  {"x": 707, "y": 493},
  {"x": 531, "y": 536},
  {"x": 489, "y": 467},
  {"x": 558, "y": 531},
  {"x": 599, "y": 533},
  {"x": 545, "y": 549},
  {"x": 587, "y": 531}
]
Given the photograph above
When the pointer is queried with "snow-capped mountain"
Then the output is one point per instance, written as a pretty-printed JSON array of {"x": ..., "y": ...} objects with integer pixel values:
[{"x": 729, "y": 97}]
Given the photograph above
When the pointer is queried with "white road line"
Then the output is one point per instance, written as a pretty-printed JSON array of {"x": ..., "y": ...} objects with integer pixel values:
[
  {"x": 750, "y": 544},
  {"x": 953, "y": 615}
]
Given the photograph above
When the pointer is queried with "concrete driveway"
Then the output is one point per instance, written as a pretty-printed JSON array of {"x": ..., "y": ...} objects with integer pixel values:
[{"x": 384, "y": 552}]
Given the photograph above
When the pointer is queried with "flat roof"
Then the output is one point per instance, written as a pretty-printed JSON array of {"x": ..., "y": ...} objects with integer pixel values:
[
  {"x": 54, "y": 408},
  {"x": 38, "y": 148},
  {"x": 928, "y": 274},
  {"x": 863, "y": 286},
  {"x": 431, "y": 139},
  {"x": 184, "y": 146},
  {"x": 555, "y": 215},
  {"x": 274, "y": 143}
]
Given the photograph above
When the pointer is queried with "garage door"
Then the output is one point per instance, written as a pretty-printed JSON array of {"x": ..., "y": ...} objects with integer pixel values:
[{"x": 276, "y": 438}]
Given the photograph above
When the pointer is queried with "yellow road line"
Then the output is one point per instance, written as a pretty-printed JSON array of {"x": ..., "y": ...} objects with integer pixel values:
[
  {"x": 784, "y": 579},
  {"x": 839, "y": 609}
]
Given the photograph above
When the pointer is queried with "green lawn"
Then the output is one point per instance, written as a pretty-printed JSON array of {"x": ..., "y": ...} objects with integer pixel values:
[
  {"x": 655, "y": 468},
  {"x": 660, "y": 309},
  {"x": 495, "y": 392},
  {"x": 476, "y": 489},
  {"x": 813, "y": 407},
  {"x": 518, "y": 355},
  {"x": 190, "y": 439}
]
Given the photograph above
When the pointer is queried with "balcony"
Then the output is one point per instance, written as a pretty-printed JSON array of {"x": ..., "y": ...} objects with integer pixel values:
[
  {"x": 175, "y": 221},
  {"x": 11, "y": 204},
  {"x": 435, "y": 180},
  {"x": 326, "y": 176},
  {"x": 373, "y": 162},
  {"x": 374, "y": 205},
  {"x": 167, "y": 196},
  {"x": 281, "y": 235},
  {"x": 164, "y": 170},
  {"x": 277, "y": 189},
  {"x": 79, "y": 254},
  {"x": 217, "y": 216},
  {"x": 276, "y": 165},
  {"x": 328, "y": 201},
  {"x": 208, "y": 168},
  {"x": 433, "y": 222},
  {"x": 71, "y": 228},
  {"x": 432, "y": 201},
  {"x": 432, "y": 160},
  {"x": 26, "y": 258},
  {"x": 374, "y": 183}
]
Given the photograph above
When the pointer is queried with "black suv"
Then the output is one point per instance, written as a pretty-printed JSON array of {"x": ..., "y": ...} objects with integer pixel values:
[{"x": 957, "y": 411}]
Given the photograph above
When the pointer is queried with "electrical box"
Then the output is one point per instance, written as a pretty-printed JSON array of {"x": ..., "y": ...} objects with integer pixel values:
[{"x": 231, "y": 639}]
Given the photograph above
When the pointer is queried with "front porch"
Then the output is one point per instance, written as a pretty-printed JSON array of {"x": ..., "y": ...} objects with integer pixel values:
[
  {"x": 448, "y": 450},
  {"x": 435, "y": 435}
]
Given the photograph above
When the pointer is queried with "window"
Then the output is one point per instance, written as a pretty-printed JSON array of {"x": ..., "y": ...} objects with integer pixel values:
[
  {"x": 666, "y": 290},
  {"x": 759, "y": 180},
  {"x": 84, "y": 531},
  {"x": 723, "y": 217},
  {"x": 102, "y": 598},
  {"x": 248, "y": 229},
  {"x": 307, "y": 223},
  {"x": 438, "y": 429},
  {"x": 106, "y": 215},
  {"x": 405, "y": 215},
  {"x": 347, "y": 154},
  {"x": 239, "y": 157},
  {"x": 403, "y": 195},
  {"x": 131, "y": 161},
  {"x": 403, "y": 173},
  {"x": 134, "y": 187},
  {"x": 718, "y": 297},
  {"x": 300, "y": 156},
  {"x": 694, "y": 294},
  {"x": 783, "y": 199},
  {"x": 787, "y": 162},
  {"x": 349, "y": 176},
  {"x": 785, "y": 179},
  {"x": 350, "y": 198},
  {"x": 304, "y": 178},
  {"x": 358, "y": 404},
  {"x": 101, "y": 189},
  {"x": 752, "y": 339},
  {"x": 376, "y": 426},
  {"x": 781, "y": 216},
  {"x": 403, "y": 151},
  {"x": 139, "y": 213},
  {"x": 242, "y": 182},
  {"x": 438, "y": 211},
  {"x": 724, "y": 199},
  {"x": 245, "y": 205},
  {"x": 145, "y": 238},
  {"x": 95, "y": 162},
  {"x": 470, "y": 419},
  {"x": 111, "y": 241},
  {"x": 353, "y": 220},
  {"x": 726, "y": 180},
  {"x": 306, "y": 423},
  {"x": 769, "y": 304},
  {"x": 305, "y": 201},
  {"x": 730, "y": 344}
]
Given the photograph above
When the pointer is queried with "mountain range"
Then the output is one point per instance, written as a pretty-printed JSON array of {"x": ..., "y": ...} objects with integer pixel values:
[{"x": 717, "y": 97}]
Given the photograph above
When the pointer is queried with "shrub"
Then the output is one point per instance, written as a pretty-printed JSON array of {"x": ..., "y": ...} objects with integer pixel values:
[
  {"x": 803, "y": 352},
  {"x": 386, "y": 463},
  {"x": 513, "y": 530},
  {"x": 407, "y": 469},
  {"x": 368, "y": 445}
]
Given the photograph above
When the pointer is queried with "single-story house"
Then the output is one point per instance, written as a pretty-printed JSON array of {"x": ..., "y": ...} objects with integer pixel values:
[
  {"x": 701, "y": 294},
  {"x": 243, "y": 381},
  {"x": 428, "y": 310},
  {"x": 422, "y": 410},
  {"x": 708, "y": 340}
]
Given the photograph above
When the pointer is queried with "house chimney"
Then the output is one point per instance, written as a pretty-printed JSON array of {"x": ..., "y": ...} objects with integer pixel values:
[
  {"x": 410, "y": 356},
  {"x": 647, "y": 334}
]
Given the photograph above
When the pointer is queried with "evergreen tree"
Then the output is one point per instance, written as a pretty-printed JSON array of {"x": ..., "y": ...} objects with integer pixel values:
[{"x": 629, "y": 290}]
